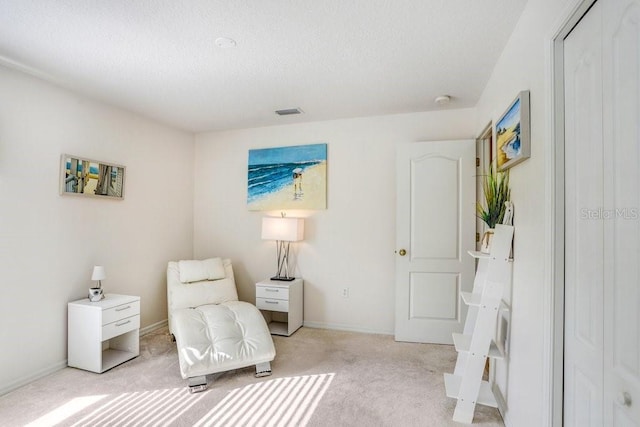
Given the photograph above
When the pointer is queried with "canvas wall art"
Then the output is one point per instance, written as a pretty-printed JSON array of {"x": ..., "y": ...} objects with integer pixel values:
[
  {"x": 86, "y": 177},
  {"x": 292, "y": 177},
  {"x": 513, "y": 143}
]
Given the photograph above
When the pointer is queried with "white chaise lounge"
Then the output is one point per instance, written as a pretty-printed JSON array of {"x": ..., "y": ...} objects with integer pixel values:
[{"x": 214, "y": 332}]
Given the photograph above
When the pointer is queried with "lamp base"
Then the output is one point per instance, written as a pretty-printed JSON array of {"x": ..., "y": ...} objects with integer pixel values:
[
  {"x": 283, "y": 278},
  {"x": 95, "y": 294}
]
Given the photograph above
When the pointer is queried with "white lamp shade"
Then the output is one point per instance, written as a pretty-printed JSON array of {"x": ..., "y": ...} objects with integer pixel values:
[
  {"x": 98, "y": 273},
  {"x": 285, "y": 229}
]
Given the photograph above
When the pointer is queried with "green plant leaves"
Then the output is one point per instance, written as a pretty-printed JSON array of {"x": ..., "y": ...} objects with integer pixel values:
[{"x": 496, "y": 190}]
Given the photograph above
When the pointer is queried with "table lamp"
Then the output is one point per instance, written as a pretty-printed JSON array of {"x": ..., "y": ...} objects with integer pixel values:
[
  {"x": 95, "y": 293},
  {"x": 284, "y": 231}
]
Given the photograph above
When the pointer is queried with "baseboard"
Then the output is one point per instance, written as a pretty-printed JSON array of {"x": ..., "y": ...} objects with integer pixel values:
[
  {"x": 502, "y": 404},
  {"x": 35, "y": 376},
  {"x": 341, "y": 327},
  {"x": 63, "y": 364},
  {"x": 148, "y": 329},
  {"x": 158, "y": 325},
  {"x": 315, "y": 325}
]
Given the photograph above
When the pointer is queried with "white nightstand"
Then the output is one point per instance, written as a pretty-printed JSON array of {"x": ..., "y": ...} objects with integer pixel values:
[
  {"x": 281, "y": 304},
  {"x": 103, "y": 334}
]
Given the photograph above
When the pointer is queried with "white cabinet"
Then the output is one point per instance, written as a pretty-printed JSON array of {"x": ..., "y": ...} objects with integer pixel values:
[
  {"x": 103, "y": 334},
  {"x": 281, "y": 304},
  {"x": 477, "y": 342}
]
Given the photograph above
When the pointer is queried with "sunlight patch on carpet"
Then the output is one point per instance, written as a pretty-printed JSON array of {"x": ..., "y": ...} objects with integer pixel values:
[
  {"x": 287, "y": 401},
  {"x": 143, "y": 408},
  {"x": 65, "y": 411}
]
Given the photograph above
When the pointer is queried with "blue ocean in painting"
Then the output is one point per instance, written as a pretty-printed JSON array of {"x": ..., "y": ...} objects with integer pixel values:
[
  {"x": 93, "y": 168},
  {"x": 269, "y": 178}
]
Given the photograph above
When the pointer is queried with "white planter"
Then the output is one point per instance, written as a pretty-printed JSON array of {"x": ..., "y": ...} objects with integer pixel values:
[{"x": 485, "y": 246}]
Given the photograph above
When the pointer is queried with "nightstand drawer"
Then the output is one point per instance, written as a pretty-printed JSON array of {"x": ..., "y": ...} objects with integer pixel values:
[
  {"x": 120, "y": 327},
  {"x": 272, "y": 304},
  {"x": 272, "y": 292},
  {"x": 122, "y": 311}
]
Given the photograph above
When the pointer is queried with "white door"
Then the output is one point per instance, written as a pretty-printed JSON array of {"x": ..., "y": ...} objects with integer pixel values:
[
  {"x": 621, "y": 99},
  {"x": 602, "y": 220},
  {"x": 584, "y": 272},
  {"x": 435, "y": 227}
]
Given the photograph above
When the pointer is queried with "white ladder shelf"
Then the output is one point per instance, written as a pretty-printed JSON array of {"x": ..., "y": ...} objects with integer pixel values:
[{"x": 476, "y": 343}]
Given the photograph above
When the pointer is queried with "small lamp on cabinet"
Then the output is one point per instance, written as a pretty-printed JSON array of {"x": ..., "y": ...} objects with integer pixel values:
[{"x": 95, "y": 293}]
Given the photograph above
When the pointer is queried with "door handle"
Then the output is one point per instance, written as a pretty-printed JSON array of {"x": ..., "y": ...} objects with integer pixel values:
[{"x": 402, "y": 252}]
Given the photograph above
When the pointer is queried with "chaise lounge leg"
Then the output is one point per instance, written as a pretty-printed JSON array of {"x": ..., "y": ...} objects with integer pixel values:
[
  {"x": 263, "y": 369},
  {"x": 197, "y": 384}
]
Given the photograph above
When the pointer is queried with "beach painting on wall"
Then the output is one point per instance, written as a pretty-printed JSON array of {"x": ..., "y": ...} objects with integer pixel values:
[
  {"x": 85, "y": 177},
  {"x": 292, "y": 177},
  {"x": 513, "y": 133}
]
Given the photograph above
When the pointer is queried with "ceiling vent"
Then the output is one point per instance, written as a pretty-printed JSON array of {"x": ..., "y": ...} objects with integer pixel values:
[{"x": 288, "y": 111}]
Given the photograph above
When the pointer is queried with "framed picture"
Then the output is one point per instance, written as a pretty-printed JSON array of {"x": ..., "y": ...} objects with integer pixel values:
[
  {"x": 287, "y": 178},
  {"x": 513, "y": 133},
  {"x": 85, "y": 177}
]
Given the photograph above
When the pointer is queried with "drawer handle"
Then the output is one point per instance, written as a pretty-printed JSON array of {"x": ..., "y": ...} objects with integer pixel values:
[
  {"x": 123, "y": 323},
  {"x": 270, "y": 302},
  {"x": 271, "y": 290},
  {"x": 123, "y": 308}
]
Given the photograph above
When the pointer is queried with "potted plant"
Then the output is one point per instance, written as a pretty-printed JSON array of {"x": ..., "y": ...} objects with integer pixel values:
[{"x": 496, "y": 191}]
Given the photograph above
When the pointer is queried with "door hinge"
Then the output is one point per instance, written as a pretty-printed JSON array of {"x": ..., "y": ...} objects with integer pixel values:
[
  {"x": 477, "y": 237},
  {"x": 477, "y": 162}
]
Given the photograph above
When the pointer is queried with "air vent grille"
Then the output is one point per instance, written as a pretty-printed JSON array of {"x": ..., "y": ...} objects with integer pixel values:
[{"x": 288, "y": 111}]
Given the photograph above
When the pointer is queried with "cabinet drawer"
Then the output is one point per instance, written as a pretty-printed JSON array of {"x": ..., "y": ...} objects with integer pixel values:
[
  {"x": 272, "y": 292},
  {"x": 272, "y": 304},
  {"x": 122, "y": 311},
  {"x": 120, "y": 327}
]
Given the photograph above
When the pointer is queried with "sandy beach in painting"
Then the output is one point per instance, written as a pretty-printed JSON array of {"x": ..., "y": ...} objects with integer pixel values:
[
  {"x": 314, "y": 188},
  {"x": 503, "y": 140}
]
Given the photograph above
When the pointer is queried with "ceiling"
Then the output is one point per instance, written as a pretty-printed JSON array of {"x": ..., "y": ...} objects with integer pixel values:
[{"x": 330, "y": 58}]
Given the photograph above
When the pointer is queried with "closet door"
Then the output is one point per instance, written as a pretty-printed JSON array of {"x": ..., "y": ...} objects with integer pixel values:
[
  {"x": 602, "y": 217},
  {"x": 621, "y": 118},
  {"x": 584, "y": 272}
]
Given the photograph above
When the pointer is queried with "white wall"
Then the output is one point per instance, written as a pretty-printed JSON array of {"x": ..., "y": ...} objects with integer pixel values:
[
  {"x": 525, "y": 64},
  {"x": 351, "y": 243},
  {"x": 49, "y": 243}
]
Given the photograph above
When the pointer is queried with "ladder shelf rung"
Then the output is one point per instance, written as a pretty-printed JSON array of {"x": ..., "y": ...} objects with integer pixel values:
[
  {"x": 463, "y": 344},
  {"x": 482, "y": 255},
  {"x": 478, "y": 254},
  {"x": 475, "y": 300},
  {"x": 485, "y": 395},
  {"x": 470, "y": 298}
]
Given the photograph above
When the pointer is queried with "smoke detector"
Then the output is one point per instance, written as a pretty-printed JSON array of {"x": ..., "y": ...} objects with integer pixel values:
[
  {"x": 225, "y": 42},
  {"x": 442, "y": 100}
]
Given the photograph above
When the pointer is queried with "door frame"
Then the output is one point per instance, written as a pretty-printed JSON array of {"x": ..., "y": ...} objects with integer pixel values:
[
  {"x": 484, "y": 158},
  {"x": 555, "y": 227}
]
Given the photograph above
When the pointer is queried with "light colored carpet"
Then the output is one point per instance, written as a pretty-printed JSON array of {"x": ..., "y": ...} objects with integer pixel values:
[{"x": 320, "y": 378}]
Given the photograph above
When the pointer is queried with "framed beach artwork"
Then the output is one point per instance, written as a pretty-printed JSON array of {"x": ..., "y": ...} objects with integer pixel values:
[
  {"x": 86, "y": 177},
  {"x": 292, "y": 177},
  {"x": 513, "y": 134}
]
